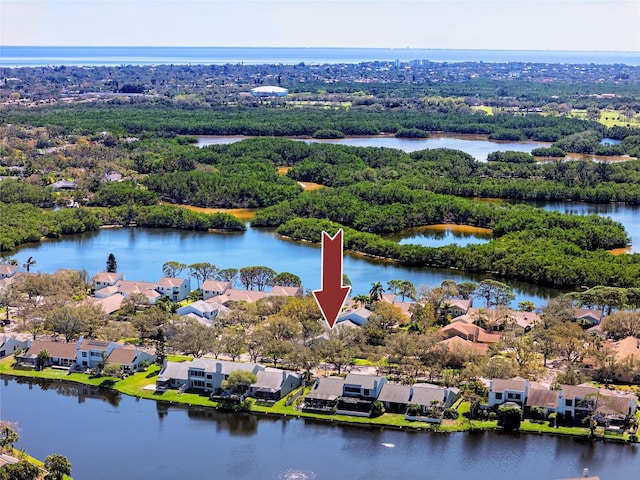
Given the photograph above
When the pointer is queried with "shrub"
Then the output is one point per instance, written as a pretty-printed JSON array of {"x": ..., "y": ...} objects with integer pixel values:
[
  {"x": 377, "y": 409},
  {"x": 327, "y": 133},
  {"x": 451, "y": 414},
  {"x": 509, "y": 418}
]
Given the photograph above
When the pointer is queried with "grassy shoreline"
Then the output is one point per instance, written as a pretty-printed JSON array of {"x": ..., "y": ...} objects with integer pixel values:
[{"x": 133, "y": 385}]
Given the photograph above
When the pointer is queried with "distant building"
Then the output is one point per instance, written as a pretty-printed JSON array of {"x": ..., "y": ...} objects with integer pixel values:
[{"x": 269, "y": 91}]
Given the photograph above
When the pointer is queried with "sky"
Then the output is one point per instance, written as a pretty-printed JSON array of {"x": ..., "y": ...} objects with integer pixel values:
[{"x": 580, "y": 25}]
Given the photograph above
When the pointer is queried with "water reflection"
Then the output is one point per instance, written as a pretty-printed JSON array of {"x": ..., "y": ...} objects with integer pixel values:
[{"x": 198, "y": 443}]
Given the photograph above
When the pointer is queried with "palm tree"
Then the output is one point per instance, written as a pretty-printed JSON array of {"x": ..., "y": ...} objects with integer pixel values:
[
  {"x": 376, "y": 291},
  {"x": 30, "y": 261},
  {"x": 361, "y": 299}
]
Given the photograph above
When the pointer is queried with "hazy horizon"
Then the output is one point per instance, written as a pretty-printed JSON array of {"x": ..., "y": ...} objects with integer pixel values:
[{"x": 520, "y": 25}]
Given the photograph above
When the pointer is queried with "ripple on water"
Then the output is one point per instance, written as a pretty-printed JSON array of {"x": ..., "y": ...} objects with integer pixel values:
[{"x": 296, "y": 475}]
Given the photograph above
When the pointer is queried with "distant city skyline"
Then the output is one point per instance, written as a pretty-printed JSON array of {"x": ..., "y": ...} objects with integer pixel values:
[{"x": 571, "y": 25}]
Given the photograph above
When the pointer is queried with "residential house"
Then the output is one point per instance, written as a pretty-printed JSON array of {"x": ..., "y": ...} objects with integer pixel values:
[
  {"x": 432, "y": 400},
  {"x": 173, "y": 375},
  {"x": 454, "y": 307},
  {"x": 131, "y": 359},
  {"x": 13, "y": 343},
  {"x": 358, "y": 316},
  {"x": 514, "y": 390},
  {"x": 106, "y": 279},
  {"x": 272, "y": 384},
  {"x": 207, "y": 374},
  {"x": 548, "y": 400},
  {"x": 251, "y": 296},
  {"x": 579, "y": 401},
  {"x": 113, "y": 177},
  {"x": 456, "y": 342},
  {"x": 109, "y": 304},
  {"x": 64, "y": 185},
  {"x": 213, "y": 288},
  {"x": 358, "y": 394},
  {"x": 89, "y": 352},
  {"x": 586, "y": 316},
  {"x": 395, "y": 397},
  {"x": 623, "y": 349},
  {"x": 324, "y": 395},
  {"x": 61, "y": 353},
  {"x": 127, "y": 288},
  {"x": 177, "y": 289},
  {"x": 204, "y": 310},
  {"x": 8, "y": 271}
]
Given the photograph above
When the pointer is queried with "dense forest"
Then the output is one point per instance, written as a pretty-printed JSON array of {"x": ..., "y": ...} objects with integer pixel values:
[{"x": 369, "y": 191}]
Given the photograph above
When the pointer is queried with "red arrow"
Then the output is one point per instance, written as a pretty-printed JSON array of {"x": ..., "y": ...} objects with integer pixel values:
[{"x": 332, "y": 295}]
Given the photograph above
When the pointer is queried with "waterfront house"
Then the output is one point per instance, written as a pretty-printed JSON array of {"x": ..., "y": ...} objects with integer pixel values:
[
  {"x": 61, "y": 353},
  {"x": 251, "y": 296},
  {"x": 547, "y": 400},
  {"x": 272, "y": 384},
  {"x": 173, "y": 375},
  {"x": 207, "y": 375},
  {"x": 431, "y": 401},
  {"x": 177, "y": 289},
  {"x": 127, "y": 288},
  {"x": 213, "y": 288},
  {"x": 324, "y": 395},
  {"x": 106, "y": 279},
  {"x": 131, "y": 359},
  {"x": 514, "y": 390},
  {"x": 13, "y": 343},
  {"x": 92, "y": 352},
  {"x": 395, "y": 397},
  {"x": 358, "y": 394}
]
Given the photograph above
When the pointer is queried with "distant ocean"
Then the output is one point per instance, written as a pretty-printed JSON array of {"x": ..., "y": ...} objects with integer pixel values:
[{"x": 13, "y": 56}]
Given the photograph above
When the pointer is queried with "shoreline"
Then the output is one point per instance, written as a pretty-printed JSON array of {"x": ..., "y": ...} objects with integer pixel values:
[{"x": 132, "y": 386}]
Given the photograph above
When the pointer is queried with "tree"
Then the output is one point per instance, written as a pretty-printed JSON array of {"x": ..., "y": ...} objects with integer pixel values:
[
  {"x": 361, "y": 299},
  {"x": 570, "y": 340},
  {"x": 622, "y": 324},
  {"x": 71, "y": 320},
  {"x": 337, "y": 351},
  {"x": 466, "y": 289},
  {"x": 112, "y": 264},
  {"x": 29, "y": 263},
  {"x": 495, "y": 293},
  {"x": 404, "y": 288},
  {"x": 259, "y": 277},
  {"x": 286, "y": 279},
  {"x": 234, "y": 340},
  {"x": 43, "y": 359},
  {"x": 202, "y": 271},
  {"x": 147, "y": 321},
  {"x": 238, "y": 381},
  {"x": 23, "y": 470},
  {"x": 58, "y": 466},
  {"x": 558, "y": 310},
  {"x": 8, "y": 436},
  {"x": 173, "y": 268},
  {"x": 526, "y": 306},
  {"x": 227, "y": 275},
  {"x": 193, "y": 338},
  {"x": 376, "y": 291}
]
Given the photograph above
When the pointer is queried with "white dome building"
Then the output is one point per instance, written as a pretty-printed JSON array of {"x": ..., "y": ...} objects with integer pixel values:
[{"x": 269, "y": 91}]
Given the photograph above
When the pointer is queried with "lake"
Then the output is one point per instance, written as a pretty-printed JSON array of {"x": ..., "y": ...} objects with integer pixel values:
[
  {"x": 106, "y": 435},
  {"x": 478, "y": 146},
  {"x": 140, "y": 253}
]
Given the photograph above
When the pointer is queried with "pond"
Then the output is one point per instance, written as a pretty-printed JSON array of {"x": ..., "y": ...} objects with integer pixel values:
[
  {"x": 107, "y": 435},
  {"x": 478, "y": 146}
]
